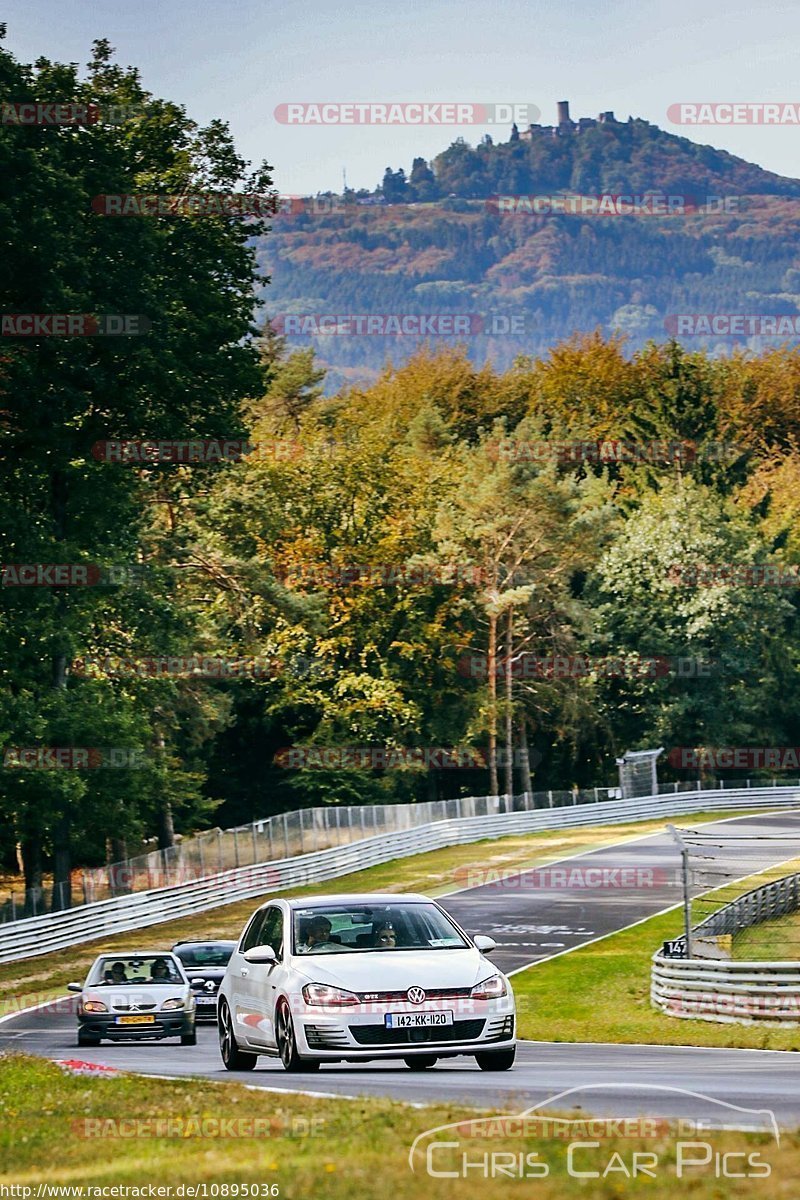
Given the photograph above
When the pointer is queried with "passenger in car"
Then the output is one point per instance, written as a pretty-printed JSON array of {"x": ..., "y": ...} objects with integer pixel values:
[
  {"x": 116, "y": 974},
  {"x": 385, "y": 938}
]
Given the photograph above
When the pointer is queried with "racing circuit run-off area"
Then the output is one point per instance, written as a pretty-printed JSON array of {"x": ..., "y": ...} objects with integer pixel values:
[{"x": 399, "y": 611}]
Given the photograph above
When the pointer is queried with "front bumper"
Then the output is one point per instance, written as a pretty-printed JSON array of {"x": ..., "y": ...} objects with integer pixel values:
[
  {"x": 206, "y": 1006},
  {"x": 354, "y": 1035},
  {"x": 166, "y": 1024}
]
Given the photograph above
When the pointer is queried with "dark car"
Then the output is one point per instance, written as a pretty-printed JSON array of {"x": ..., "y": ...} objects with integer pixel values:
[{"x": 205, "y": 963}]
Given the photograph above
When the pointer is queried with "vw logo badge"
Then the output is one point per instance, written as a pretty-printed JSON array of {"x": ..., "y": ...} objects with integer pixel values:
[{"x": 415, "y": 995}]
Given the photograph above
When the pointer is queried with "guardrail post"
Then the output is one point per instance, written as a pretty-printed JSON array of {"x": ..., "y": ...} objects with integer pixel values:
[
  {"x": 219, "y": 849},
  {"x": 255, "y": 844},
  {"x": 200, "y": 841},
  {"x": 286, "y": 834}
]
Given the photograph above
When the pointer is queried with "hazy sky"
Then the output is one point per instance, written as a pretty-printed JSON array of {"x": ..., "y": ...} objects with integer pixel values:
[{"x": 239, "y": 60}]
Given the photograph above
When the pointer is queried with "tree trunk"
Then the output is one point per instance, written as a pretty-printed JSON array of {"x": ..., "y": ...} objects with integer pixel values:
[
  {"x": 494, "y": 786},
  {"x": 62, "y": 865},
  {"x": 31, "y": 851},
  {"x": 524, "y": 756},
  {"x": 509, "y": 765},
  {"x": 432, "y": 786},
  {"x": 62, "y": 879},
  {"x": 166, "y": 827}
]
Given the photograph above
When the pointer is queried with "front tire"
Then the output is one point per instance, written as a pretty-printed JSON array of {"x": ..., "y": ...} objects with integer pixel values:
[
  {"x": 87, "y": 1039},
  {"x": 421, "y": 1062},
  {"x": 287, "y": 1043},
  {"x": 496, "y": 1060},
  {"x": 189, "y": 1039},
  {"x": 233, "y": 1058}
]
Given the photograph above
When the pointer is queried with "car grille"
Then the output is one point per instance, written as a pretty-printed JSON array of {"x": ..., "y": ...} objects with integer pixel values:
[
  {"x": 402, "y": 997},
  {"x": 134, "y": 1031},
  {"x": 379, "y": 1035},
  {"x": 133, "y": 1007}
]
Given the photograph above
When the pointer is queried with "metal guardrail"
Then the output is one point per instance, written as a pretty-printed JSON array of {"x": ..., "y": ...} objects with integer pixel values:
[
  {"x": 722, "y": 990},
  {"x": 56, "y": 931}
]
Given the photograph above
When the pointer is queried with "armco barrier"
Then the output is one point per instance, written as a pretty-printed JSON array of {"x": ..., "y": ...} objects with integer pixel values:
[
  {"x": 746, "y": 993},
  {"x": 56, "y": 931}
]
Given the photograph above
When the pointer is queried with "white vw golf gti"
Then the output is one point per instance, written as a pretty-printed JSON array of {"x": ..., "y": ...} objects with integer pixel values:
[{"x": 351, "y": 978}]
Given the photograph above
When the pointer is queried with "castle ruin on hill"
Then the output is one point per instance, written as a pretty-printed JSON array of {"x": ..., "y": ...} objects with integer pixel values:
[{"x": 565, "y": 125}]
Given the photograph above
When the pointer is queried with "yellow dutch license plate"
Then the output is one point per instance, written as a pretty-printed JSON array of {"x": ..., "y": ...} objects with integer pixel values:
[{"x": 135, "y": 1020}]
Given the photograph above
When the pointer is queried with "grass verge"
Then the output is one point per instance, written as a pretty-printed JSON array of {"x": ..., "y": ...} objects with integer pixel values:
[
  {"x": 773, "y": 941},
  {"x": 357, "y": 1150}
]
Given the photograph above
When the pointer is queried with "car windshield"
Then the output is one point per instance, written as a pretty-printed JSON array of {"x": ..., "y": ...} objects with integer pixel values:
[
  {"x": 205, "y": 954},
  {"x": 130, "y": 968},
  {"x": 380, "y": 928}
]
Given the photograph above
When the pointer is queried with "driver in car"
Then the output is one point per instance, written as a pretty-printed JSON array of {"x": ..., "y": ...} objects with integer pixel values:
[
  {"x": 160, "y": 971},
  {"x": 317, "y": 933}
]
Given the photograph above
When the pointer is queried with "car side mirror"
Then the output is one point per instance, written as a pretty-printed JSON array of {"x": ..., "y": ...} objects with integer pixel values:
[
  {"x": 483, "y": 943},
  {"x": 260, "y": 955},
  {"x": 74, "y": 987}
]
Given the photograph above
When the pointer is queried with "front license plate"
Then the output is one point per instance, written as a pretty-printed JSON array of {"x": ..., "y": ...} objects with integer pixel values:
[
  {"x": 136, "y": 1020},
  {"x": 416, "y": 1020}
]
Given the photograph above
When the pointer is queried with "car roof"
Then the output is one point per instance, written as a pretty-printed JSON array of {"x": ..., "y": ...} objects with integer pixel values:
[
  {"x": 135, "y": 954},
  {"x": 205, "y": 942},
  {"x": 359, "y": 898}
]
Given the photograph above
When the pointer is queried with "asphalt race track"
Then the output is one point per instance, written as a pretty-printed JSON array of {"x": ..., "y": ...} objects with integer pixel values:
[
  {"x": 537, "y": 916},
  {"x": 539, "y": 913}
]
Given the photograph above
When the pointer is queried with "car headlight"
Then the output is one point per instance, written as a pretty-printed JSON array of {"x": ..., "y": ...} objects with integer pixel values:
[
  {"x": 322, "y": 994},
  {"x": 175, "y": 1002},
  {"x": 94, "y": 1006},
  {"x": 490, "y": 989}
]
